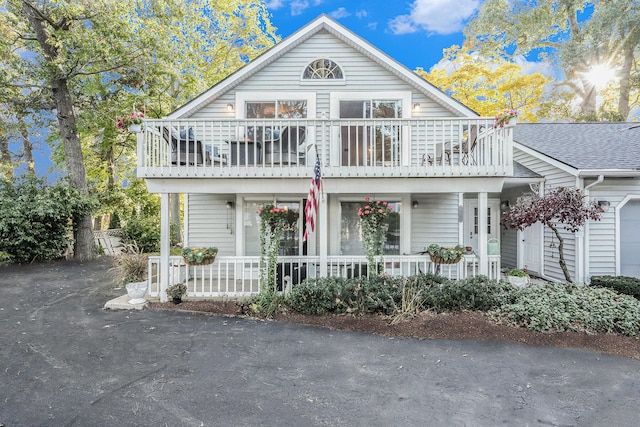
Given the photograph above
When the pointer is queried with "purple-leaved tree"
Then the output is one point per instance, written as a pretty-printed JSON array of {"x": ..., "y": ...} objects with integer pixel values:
[{"x": 561, "y": 207}]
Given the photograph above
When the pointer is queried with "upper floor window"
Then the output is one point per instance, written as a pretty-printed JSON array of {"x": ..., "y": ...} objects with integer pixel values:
[{"x": 323, "y": 69}]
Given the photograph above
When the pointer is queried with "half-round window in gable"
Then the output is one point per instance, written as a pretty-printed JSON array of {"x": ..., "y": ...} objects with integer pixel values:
[{"x": 323, "y": 69}]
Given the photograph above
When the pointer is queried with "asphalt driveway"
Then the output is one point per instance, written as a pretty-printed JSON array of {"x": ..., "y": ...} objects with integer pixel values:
[{"x": 64, "y": 361}]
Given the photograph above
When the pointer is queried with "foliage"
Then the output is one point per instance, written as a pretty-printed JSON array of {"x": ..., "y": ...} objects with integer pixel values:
[
  {"x": 133, "y": 118},
  {"x": 444, "y": 253},
  {"x": 197, "y": 255},
  {"x": 560, "y": 207},
  {"x": 503, "y": 117},
  {"x": 487, "y": 83},
  {"x": 36, "y": 218},
  {"x": 177, "y": 290},
  {"x": 560, "y": 307},
  {"x": 564, "y": 34},
  {"x": 132, "y": 265},
  {"x": 373, "y": 216},
  {"x": 266, "y": 304},
  {"x": 623, "y": 284},
  {"x": 144, "y": 232},
  {"x": 476, "y": 293},
  {"x": 516, "y": 272},
  {"x": 272, "y": 222},
  {"x": 5, "y": 258}
]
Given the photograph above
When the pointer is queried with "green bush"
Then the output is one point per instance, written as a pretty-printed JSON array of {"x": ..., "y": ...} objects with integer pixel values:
[
  {"x": 623, "y": 284},
  {"x": 560, "y": 307},
  {"x": 316, "y": 296},
  {"x": 144, "y": 232},
  {"x": 376, "y": 294},
  {"x": 475, "y": 293},
  {"x": 36, "y": 219}
]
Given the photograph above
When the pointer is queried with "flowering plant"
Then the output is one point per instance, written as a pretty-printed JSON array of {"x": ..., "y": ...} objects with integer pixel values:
[
  {"x": 133, "y": 118},
  {"x": 372, "y": 214},
  {"x": 199, "y": 255},
  {"x": 445, "y": 255},
  {"x": 503, "y": 118},
  {"x": 272, "y": 222}
]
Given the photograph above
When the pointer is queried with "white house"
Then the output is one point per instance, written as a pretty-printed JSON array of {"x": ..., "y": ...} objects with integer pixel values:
[{"x": 377, "y": 130}]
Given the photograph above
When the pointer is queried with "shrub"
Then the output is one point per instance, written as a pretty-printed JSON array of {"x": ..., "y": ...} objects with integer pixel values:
[
  {"x": 475, "y": 293},
  {"x": 144, "y": 232},
  {"x": 316, "y": 296},
  {"x": 130, "y": 266},
  {"x": 375, "y": 294},
  {"x": 36, "y": 219},
  {"x": 623, "y": 284},
  {"x": 559, "y": 307}
]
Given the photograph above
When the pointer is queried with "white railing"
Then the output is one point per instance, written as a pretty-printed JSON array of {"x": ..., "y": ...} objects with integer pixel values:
[
  {"x": 345, "y": 147},
  {"x": 240, "y": 276}
]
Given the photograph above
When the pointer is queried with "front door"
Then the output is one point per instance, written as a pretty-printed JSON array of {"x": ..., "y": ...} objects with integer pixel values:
[
  {"x": 470, "y": 228},
  {"x": 531, "y": 248}
]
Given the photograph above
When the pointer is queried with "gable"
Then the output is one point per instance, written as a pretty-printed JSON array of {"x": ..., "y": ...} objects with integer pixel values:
[{"x": 366, "y": 68}]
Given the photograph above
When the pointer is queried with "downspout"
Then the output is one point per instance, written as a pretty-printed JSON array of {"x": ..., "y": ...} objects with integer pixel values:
[{"x": 586, "y": 266}]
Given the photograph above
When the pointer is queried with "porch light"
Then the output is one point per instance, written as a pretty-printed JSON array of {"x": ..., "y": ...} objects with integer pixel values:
[
  {"x": 414, "y": 204},
  {"x": 230, "y": 108},
  {"x": 604, "y": 205},
  {"x": 229, "y": 205},
  {"x": 416, "y": 106},
  {"x": 504, "y": 205}
]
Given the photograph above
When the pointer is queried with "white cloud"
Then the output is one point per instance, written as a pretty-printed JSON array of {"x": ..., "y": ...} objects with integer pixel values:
[
  {"x": 372, "y": 26},
  {"x": 361, "y": 14},
  {"x": 435, "y": 16},
  {"x": 275, "y": 4},
  {"x": 298, "y": 7},
  {"x": 340, "y": 12}
]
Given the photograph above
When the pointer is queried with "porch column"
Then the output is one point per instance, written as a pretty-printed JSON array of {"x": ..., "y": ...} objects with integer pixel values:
[
  {"x": 165, "y": 245},
  {"x": 483, "y": 262},
  {"x": 323, "y": 227}
]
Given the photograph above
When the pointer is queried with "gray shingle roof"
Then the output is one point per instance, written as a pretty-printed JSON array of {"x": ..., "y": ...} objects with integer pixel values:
[{"x": 584, "y": 145}]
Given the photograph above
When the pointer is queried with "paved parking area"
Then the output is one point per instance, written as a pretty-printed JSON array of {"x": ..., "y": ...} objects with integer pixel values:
[{"x": 67, "y": 362}]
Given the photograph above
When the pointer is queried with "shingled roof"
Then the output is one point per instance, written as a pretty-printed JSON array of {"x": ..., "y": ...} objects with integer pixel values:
[{"x": 584, "y": 146}]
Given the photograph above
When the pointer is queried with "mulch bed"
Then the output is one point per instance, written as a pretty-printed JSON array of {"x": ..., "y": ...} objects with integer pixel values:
[{"x": 462, "y": 325}]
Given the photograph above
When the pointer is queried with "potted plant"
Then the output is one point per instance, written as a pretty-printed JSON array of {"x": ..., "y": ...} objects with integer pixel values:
[
  {"x": 445, "y": 255},
  {"x": 506, "y": 117},
  {"x": 130, "y": 269},
  {"x": 131, "y": 122},
  {"x": 373, "y": 215},
  {"x": 176, "y": 292},
  {"x": 199, "y": 256},
  {"x": 518, "y": 277}
]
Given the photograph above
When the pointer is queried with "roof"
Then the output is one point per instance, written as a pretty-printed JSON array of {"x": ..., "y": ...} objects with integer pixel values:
[
  {"x": 597, "y": 147},
  {"x": 323, "y": 23}
]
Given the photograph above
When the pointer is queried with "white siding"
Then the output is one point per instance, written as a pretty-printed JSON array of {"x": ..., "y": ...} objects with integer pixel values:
[
  {"x": 361, "y": 74},
  {"x": 435, "y": 220},
  {"x": 210, "y": 223},
  {"x": 554, "y": 177}
]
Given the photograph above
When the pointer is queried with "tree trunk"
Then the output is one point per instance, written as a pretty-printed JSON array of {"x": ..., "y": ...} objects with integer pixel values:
[
  {"x": 27, "y": 146},
  {"x": 625, "y": 84},
  {"x": 6, "y": 166},
  {"x": 562, "y": 262},
  {"x": 588, "y": 105},
  {"x": 174, "y": 201},
  {"x": 83, "y": 233}
]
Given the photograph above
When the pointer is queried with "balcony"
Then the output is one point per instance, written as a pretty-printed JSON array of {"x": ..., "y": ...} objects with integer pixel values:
[{"x": 266, "y": 148}]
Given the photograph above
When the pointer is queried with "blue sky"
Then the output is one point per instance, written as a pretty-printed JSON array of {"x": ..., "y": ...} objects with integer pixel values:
[{"x": 414, "y": 32}]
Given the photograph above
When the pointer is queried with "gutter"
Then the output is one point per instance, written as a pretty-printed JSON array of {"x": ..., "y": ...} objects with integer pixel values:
[{"x": 585, "y": 246}]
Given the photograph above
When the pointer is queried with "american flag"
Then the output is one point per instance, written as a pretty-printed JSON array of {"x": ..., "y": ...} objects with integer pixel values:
[{"x": 311, "y": 206}]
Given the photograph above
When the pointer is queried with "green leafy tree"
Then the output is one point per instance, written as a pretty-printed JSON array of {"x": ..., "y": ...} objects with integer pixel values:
[
  {"x": 94, "y": 60},
  {"x": 565, "y": 34},
  {"x": 487, "y": 85},
  {"x": 36, "y": 219}
]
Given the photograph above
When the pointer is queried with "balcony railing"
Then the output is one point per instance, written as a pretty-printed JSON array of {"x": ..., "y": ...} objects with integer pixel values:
[
  {"x": 240, "y": 276},
  {"x": 345, "y": 148}
]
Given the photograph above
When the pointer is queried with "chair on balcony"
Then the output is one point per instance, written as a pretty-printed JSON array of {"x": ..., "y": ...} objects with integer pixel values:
[
  {"x": 445, "y": 152},
  {"x": 284, "y": 151},
  {"x": 187, "y": 150}
]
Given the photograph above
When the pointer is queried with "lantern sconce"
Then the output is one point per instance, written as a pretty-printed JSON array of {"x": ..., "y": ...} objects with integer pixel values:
[
  {"x": 504, "y": 205},
  {"x": 230, "y": 108},
  {"x": 604, "y": 205},
  {"x": 415, "y": 204}
]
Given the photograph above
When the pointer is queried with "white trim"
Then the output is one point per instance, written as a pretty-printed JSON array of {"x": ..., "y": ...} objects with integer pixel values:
[
  {"x": 323, "y": 22},
  {"x": 618, "y": 208},
  {"x": 336, "y": 97},
  {"x": 243, "y": 97},
  {"x": 538, "y": 155}
]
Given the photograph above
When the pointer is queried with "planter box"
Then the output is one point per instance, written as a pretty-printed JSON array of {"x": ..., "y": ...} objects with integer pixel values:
[{"x": 518, "y": 282}]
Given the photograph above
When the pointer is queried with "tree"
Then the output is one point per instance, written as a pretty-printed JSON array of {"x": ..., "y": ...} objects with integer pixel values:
[
  {"x": 90, "y": 57},
  {"x": 563, "y": 32},
  {"x": 560, "y": 208},
  {"x": 487, "y": 85}
]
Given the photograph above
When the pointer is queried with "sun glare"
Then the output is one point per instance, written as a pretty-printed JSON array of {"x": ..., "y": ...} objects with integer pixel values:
[{"x": 599, "y": 75}]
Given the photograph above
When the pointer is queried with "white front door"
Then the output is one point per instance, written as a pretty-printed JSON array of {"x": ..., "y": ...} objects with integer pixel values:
[
  {"x": 530, "y": 249},
  {"x": 470, "y": 228}
]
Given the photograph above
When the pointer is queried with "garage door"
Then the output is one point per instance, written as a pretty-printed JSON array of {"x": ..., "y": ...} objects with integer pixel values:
[{"x": 630, "y": 239}]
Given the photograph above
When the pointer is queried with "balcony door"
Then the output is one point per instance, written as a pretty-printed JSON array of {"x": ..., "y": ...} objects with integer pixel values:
[{"x": 368, "y": 143}]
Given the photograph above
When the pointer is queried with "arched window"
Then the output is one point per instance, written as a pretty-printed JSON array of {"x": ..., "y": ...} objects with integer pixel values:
[{"x": 323, "y": 69}]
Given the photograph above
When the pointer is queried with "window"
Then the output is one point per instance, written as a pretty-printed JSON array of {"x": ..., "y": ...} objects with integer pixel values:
[
  {"x": 351, "y": 230},
  {"x": 281, "y": 109},
  {"x": 323, "y": 69},
  {"x": 291, "y": 243}
]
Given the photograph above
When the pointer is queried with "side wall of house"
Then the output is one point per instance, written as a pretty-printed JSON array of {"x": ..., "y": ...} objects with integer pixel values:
[
  {"x": 435, "y": 220},
  {"x": 554, "y": 177},
  {"x": 208, "y": 222},
  {"x": 602, "y": 244}
]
